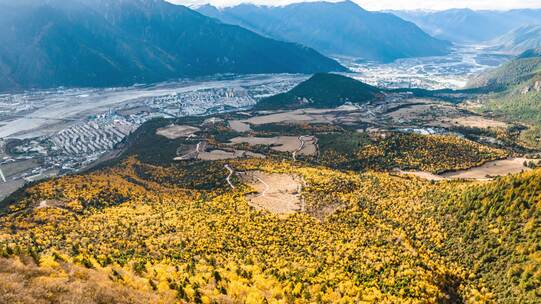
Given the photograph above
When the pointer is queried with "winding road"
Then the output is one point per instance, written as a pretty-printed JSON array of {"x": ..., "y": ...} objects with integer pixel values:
[
  {"x": 193, "y": 154},
  {"x": 2, "y": 177},
  {"x": 228, "y": 178},
  {"x": 303, "y": 143},
  {"x": 267, "y": 187},
  {"x": 198, "y": 147}
]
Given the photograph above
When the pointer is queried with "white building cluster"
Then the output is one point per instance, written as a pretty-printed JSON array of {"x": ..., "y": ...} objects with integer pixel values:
[
  {"x": 91, "y": 137},
  {"x": 201, "y": 101}
]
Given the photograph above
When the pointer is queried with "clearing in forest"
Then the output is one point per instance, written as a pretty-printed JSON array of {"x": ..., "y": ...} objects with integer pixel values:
[
  {"x": 491, "y": 169},
  {"x": 177, "y": 131},
  {"x": 224, "y": 155},
  {"x": 276, "y": 193},
  {"x": 435, "y": 114},
  {"x": 302, "y": 145},
  {"x": 485, "y": 172}
]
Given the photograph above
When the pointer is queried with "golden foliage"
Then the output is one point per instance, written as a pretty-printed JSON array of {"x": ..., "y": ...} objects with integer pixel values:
[{"x": 380, "y": 238}]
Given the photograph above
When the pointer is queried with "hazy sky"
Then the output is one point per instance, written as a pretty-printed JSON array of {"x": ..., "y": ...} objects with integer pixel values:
[{"x": 394, "y": 4}]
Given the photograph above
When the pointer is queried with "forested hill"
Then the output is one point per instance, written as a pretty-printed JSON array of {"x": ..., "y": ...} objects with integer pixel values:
[
  {"x": 494, "y": 230},
  {"x": 518, "y": 93},
  {"x": 322, "y": 90},
  {"x": 122, "y": 42},
  {"x": 342, "y": 28}
]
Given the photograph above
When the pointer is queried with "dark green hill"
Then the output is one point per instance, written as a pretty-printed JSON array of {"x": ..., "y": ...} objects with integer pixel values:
[
  {"x": 121, "y": 42},
  {"x": 532, "y": 53},
  {"x": 322, "y": 91},
  {"x": 342, "y": 28}
]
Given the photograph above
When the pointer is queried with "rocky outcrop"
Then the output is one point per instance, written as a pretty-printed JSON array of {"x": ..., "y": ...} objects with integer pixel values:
[{"x": 535, "y": 87}]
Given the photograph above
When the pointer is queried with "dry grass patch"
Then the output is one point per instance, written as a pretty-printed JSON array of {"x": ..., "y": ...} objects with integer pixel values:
[
  {"x": 27, "y": 283},
  {"x": 224, "y": 155},
  {"x": 305, "y": 145},
  {"x": 177, "y": 131},
  {"x": 471, "y": 122},
  {"x": 276, "y": 193},
  {"x": 491, "y": 169},
  {"x": 239, "y": 126}
]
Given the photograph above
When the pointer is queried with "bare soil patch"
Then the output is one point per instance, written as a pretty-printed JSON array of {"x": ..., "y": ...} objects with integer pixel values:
[
  {"x": 312, "y": 116},
  {"x": 441, "y": 115},
  {"x": 282, "y": 143},
  {"x": 224, "y": 155},
  {"x": 276, "y": 193},
  {"x": 296, "y": 116},
  {"x": 200, "y": 152},
  {"x": 424, "y": 175},
  {"x": 177, "y": 131},
  {"x": 412, "y": 112},
  {"x": 485, "y": 172},
  {"x": 309, "y": 146},
  {"x": 471, "y": 122},
  {"x": 490, "y": 170},
  {"x": 50, "y": 204},
  {"x": 293, "y": 116},
  {"x": 18, "y": 167},
  {"x": 239, "y": 126}
]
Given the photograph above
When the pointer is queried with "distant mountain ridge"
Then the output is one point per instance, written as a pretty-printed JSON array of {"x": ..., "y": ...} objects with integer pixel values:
[
  {"x": 323, "y": 90},
  {"x": 341, "y": 28},
  {"x": 122, "y": 42},
  {"x": 519, "y": 40},
  {"x": 469, "y": 26}
]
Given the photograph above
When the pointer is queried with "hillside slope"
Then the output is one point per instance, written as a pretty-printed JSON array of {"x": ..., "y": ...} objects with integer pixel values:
[
  {"x": 322, "y": 91},
  {"x": 494, "y": 230},
  {"x": 341, "y": 28},
  {"x": 165, "y": 232},
  {"x": 521, "y": 70},
  {"x": 518, "y": 93},
  {"x": 122, "y": 42},
  {"x": 519, "y": 40}
]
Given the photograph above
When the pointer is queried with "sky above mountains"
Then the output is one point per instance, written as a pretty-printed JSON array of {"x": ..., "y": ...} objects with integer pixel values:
[{"x": 393, "y": 4}]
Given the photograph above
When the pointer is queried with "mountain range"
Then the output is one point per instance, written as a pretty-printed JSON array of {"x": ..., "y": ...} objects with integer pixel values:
[
  {"x": 121, "y": 42},
  {"x": 469, "y": 26},
  {"x": 340, "y": 29}
]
